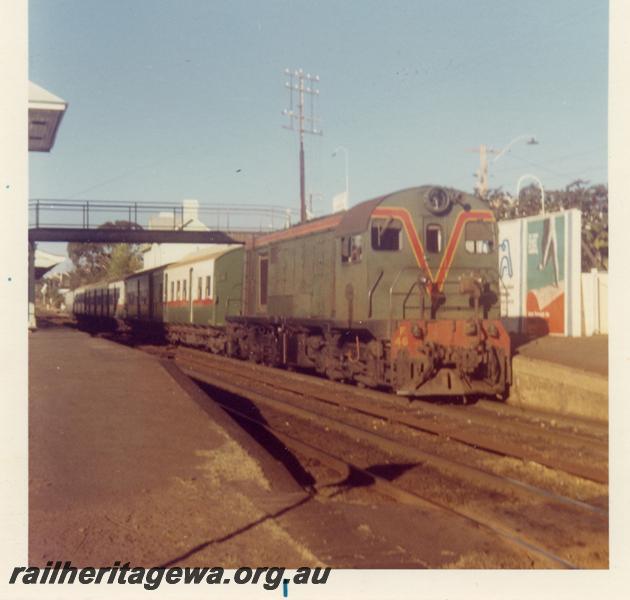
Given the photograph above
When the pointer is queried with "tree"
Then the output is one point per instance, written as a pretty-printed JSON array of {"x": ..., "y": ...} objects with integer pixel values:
[
  {"x": 592, "y": 200},
  {"x": 124, "y": 259},
  {"x": 94, "y": 262}
]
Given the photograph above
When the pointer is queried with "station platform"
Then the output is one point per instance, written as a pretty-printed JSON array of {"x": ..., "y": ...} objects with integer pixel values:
[
  {"x": 588, "y": 354},
  {"x": 563, "y": 375},
  {"x": 123, "y": 465},
  {"x": 131, "y": 462}
]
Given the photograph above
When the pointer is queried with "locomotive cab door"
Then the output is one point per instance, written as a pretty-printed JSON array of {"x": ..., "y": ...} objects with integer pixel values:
[{"x": 263, "y": 283}]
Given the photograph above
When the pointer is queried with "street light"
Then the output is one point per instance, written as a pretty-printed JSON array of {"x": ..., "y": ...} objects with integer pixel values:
[
  {"x": 482, "y": 175},
  {"x": 345, "y": 152},
  {"x": 540, "y": 185},
  {"x": 531, "y": 142}
]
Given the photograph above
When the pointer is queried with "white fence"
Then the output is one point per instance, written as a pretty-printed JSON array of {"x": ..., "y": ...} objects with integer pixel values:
[{"x": 594, "y": 303}]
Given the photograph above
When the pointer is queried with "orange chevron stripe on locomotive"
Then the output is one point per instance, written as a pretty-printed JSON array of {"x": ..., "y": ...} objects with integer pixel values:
[{"x": 402, "y": 214}]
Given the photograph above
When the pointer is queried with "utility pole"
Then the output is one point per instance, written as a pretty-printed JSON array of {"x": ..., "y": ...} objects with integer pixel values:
[
  {"x": 482, "y": 174},
  {"x": 300, "y": 84}
]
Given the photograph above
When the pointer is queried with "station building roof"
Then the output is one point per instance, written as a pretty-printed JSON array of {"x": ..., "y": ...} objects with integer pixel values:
[
  {"x": 44, "y": 261},
  {"x": 45, "y": 111}
]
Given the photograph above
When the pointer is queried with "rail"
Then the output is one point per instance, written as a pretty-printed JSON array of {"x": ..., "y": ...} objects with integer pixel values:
[{"x": 290, "y": 398}]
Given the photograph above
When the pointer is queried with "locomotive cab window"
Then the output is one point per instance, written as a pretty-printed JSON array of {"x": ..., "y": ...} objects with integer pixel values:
[
  {"x": 386, "y": 234},
  {"x": 433, "y": 238},
  {"x": 479, "y": 237},
  {"x": 351, "y": 249}
]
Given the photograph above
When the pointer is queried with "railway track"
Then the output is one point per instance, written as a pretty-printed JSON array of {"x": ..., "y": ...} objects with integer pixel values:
[
  {"x": 439, "y": 460},
  {"x": 577, "y": 453}
]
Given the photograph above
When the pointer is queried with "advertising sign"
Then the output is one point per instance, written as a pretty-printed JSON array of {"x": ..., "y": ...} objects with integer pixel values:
[{"x": 539, "y": 265}]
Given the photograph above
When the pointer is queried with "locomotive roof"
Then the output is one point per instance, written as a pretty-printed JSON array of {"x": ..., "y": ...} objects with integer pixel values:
[
  {"x": 354, "y": 220},
  {"x": 357, "y": 218},
  {"x": 314, "y": 226}
]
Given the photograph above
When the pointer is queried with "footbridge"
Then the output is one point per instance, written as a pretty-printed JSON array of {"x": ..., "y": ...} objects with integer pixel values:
[{"x": 109, "y": 222}]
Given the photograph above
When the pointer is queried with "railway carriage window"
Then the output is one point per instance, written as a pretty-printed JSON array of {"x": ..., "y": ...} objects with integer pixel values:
[
  {"x": 179, "y": 289},
  {"x": 479, "y": 237},
  {"x": 165, "y": 287},
  {"x": 172, "y": 291},
  {"x": 351, "y": 249},
  {"x": 208, "y": 288},
  {"x": 184, "y": 290},
  {"x": 433, "y": 238},
  {"x": 199, "y": 288},
  {"x": 386, "y": 234}
]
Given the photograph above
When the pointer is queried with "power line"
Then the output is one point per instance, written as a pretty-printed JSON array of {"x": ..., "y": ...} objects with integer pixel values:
[{"x": 552, "y": 171}]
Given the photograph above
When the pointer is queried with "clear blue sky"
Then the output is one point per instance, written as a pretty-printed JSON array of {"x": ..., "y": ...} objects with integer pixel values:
[{"x": 168, "y": 99}]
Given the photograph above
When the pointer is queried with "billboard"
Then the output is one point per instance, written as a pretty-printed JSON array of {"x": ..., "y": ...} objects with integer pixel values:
[{"x": 539, "y": 267}]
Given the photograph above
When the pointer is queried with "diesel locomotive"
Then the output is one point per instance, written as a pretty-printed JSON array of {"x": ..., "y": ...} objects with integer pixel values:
[{"x": 400, "y": 292}]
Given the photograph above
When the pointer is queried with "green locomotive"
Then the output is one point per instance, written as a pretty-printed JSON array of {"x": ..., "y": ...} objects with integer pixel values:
[{"x": 401, "y": 291}]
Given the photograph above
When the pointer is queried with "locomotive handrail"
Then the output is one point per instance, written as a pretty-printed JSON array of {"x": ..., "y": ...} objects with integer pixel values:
[
  {"x": 404, "y": 304},
  {"x": 371, "y": 291},
  {"x": 391, "y": 294}
]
